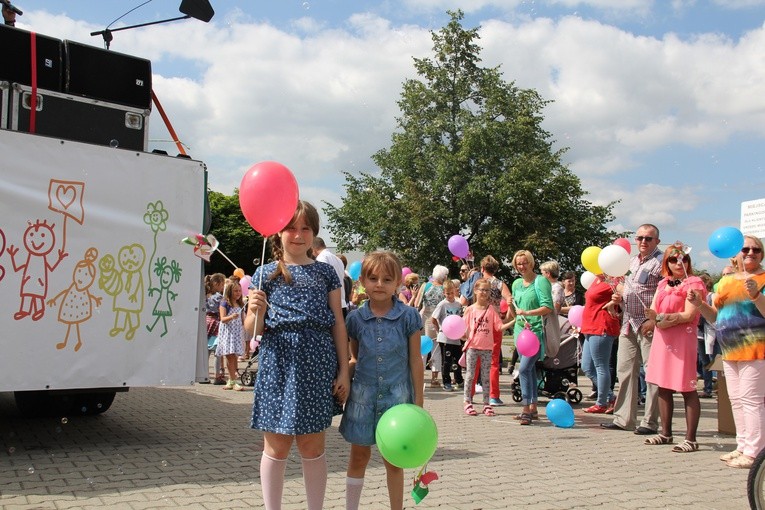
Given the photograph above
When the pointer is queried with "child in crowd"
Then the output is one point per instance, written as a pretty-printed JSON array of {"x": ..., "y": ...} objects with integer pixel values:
[
  {"x": 231, "y": 331},
  {"x": 451, "y": 349},
  {"x": 482, "y": 321},
  {"x": 385, "y": 352},
  {"x": 302, "y": 379},
  {"x": 214, "y": 284}
]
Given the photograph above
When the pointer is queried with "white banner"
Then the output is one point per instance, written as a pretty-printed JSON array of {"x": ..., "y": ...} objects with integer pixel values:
[
  {"x": 96, "y": 289},
  {"x": 753, "y": 217}
]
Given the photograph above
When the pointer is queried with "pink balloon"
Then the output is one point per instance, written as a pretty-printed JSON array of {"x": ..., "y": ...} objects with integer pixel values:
[
  {"x": 503, "y": 306},
  {"x": 245, "y": 283},
  {"x": 575, "y": 314},
  {"x": 405, "y": 271},
  {"x": 268, "y": 197},
  {"x": 527, "y": 343},
  {"x": 454, "y": 327},
  {"x": 624, "y": 243}
]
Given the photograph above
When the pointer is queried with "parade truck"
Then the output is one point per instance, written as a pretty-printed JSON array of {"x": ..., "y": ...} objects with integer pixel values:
[{"x": 97, "y": 292}]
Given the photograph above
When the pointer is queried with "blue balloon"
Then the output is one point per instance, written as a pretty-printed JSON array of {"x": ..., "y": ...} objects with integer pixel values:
[
  {"x": 426, "y": 345},
  {"x": 725, "y": 242},
  {"x": 559, "y": 412},
  {"x": 354, "y": 270}
]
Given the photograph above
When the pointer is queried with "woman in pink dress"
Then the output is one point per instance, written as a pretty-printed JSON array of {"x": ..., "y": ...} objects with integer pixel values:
[{"x": 672, "y": 362}]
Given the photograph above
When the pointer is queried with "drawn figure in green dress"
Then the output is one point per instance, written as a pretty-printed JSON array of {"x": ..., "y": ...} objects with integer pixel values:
[{"x": 168, "y": 274}]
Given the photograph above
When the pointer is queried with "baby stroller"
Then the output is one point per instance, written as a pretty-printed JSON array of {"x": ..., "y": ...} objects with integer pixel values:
[
  {"x": 558, "y": 375},
  {"x": 248, "y": 374}
]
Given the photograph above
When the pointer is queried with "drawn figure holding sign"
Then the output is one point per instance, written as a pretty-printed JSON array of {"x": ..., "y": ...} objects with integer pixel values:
[
  {"x": 167, "y": 273},
  {"x": 39, "y": 240},
  {"x": 77, "y": 305}
]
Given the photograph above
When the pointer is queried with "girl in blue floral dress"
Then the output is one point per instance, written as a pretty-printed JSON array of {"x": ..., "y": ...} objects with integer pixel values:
[
  {"x": 303, "y": 363},
  {"x": 385, "y": 352}
]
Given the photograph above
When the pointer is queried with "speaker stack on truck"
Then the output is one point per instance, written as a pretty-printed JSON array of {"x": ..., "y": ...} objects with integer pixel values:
[{"x": 78, "y": 92}]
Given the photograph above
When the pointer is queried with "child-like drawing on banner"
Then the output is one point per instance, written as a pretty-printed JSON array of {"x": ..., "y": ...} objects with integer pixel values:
[
  {"x": 125, "y": 284},
  {"x": 156, "y": 217},
  {"x": 2, "y": 249},
  {"x": 65, "y": 197},
  {"x": 77, "y": 303},
  {"x": 168, "y": 274},
  {"x": 39, "y": 240}
]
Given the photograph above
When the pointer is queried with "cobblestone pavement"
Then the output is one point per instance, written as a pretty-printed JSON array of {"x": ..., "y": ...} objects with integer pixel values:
[{"x": 191, "y": 447}]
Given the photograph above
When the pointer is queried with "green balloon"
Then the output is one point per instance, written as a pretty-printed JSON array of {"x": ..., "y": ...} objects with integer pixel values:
[{"x": 406, "y": 436}]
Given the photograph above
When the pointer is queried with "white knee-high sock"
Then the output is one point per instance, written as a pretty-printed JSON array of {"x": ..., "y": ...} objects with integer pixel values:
[
  {"x": 315, "y": 480},
  {"x": 353, "y": 488},
  {"x": 272, "y": 481}
]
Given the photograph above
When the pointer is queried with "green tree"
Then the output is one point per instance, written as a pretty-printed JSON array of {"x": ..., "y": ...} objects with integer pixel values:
[
  {"x": 237, "y": 238},
  {"x": 469, "y": 157}
]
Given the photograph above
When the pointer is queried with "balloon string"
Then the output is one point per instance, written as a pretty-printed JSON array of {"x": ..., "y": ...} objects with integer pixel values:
[{"x": 260, "y": 284}]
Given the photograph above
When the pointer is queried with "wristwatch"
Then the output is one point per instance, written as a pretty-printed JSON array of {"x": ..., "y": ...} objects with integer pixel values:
[{"x": 659, "y": 318}]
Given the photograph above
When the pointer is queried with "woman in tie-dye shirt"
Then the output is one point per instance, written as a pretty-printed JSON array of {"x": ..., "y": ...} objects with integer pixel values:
[{"x": 739, "y": 312}]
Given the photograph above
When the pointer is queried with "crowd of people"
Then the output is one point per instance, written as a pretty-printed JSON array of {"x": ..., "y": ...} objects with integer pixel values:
[{"x": 331, "y": 346}]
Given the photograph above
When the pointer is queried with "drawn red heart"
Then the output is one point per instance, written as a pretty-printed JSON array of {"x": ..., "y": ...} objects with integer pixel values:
[{"x": 66, "y": 195}]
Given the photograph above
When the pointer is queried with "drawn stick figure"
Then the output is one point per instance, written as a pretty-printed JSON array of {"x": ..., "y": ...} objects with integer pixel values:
[
  {"x": 168, "y": 274},
  {"x": 77, "y": 305},
  {"x": 39, "y": 240}
]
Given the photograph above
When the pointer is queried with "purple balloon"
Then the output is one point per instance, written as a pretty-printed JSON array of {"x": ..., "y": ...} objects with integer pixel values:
[{"x": 458, "y": 245}]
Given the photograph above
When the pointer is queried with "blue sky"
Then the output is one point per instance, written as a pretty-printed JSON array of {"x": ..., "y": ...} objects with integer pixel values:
[{"x": 660, "y": 103}]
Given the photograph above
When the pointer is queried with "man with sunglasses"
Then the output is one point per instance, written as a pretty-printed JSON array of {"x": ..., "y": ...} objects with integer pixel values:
[{"x": 636, "y": 335}]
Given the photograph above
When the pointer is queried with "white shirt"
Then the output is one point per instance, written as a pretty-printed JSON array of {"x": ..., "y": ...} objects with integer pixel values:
[{"x": 333, "y": 260}]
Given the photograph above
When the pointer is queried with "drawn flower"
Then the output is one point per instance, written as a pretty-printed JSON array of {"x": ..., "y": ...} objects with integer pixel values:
[{"x": 156, "y": 216}]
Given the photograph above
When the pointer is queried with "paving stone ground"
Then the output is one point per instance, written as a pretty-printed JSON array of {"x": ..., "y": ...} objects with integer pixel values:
[{"x": 190, "y": 447}]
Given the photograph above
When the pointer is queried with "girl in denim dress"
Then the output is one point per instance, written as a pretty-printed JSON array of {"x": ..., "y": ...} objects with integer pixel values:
[
  {"x": 302, "y": 376},
  {"x": 385, "y": 353}
]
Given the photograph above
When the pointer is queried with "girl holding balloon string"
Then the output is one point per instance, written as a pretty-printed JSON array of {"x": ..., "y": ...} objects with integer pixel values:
[
  {"x": 482, "y": 321},
  {"x": 387, "y": 370},
  {"x": 303, "y": 361}
]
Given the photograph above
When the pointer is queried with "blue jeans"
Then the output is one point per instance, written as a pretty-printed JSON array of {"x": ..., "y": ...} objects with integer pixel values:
[
  {"x": 529, "y": 382},
  {"x": 596, "y": 360}
]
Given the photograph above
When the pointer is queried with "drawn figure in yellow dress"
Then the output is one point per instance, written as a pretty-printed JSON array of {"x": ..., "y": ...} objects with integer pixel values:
[
  {"x": 167, "y": 273},
  {"x": 77, "y": 305},
  {"x": 125, "y": 284}
]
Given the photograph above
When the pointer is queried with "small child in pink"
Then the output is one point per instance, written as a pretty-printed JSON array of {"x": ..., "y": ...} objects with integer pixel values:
[{"x": 482, "y": 321}]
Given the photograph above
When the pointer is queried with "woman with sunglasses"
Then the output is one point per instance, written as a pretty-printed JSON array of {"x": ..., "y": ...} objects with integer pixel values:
[
  {"x": 672, "y": 361},
  {"x": 739, "y": 309}
]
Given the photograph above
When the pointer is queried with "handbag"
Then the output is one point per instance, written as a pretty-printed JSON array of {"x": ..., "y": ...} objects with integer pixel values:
[{"x": 551, "y": 327}]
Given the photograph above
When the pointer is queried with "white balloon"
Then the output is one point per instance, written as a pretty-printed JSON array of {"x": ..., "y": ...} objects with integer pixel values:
[
  {"x": 614, "y": 260},
  {"x": 587, "y": 279}
]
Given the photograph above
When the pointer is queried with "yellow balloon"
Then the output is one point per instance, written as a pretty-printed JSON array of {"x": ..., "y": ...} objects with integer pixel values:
[{"x": 590, "y": 259}]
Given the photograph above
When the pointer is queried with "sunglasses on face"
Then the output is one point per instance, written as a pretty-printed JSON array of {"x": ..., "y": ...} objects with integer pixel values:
[
  {"x": 672, "y": 260},
  {"x": 755, "y": 250},
  {"x": 647, "y": 239}
]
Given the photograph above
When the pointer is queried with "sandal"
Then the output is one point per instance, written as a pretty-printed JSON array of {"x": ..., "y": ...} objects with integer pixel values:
[
  {"x": 534, "y": 416},
  {"x": 469, "y": 410},
  {"x": 686, "y": 447},
  {"x": 659, "y": 439},
  {"x": 488, "y": 410},
  {"x": 525, "y": 419}
]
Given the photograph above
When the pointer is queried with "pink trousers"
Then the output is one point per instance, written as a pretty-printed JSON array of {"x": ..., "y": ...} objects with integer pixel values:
[{"x": 746, "y": 389}]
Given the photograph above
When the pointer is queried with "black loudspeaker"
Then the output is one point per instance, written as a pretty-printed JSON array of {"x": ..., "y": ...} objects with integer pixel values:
[
  {"x": 78, "y": 118},
  {"x": 107, "y": 75},
  {"x": 16, "y": 64}
]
